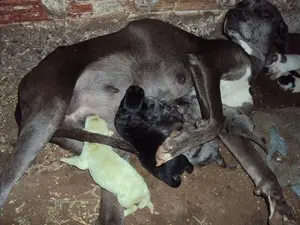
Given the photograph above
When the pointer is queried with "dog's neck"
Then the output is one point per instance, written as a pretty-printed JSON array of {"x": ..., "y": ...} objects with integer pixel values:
[{"x": 257, "y": 56}]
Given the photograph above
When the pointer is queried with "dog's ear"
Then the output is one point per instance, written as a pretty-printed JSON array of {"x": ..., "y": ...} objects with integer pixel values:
[{"x": 282, "y": 37}]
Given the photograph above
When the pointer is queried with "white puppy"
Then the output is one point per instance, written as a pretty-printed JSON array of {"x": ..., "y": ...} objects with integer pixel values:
[{"x": 110, "y": 171}]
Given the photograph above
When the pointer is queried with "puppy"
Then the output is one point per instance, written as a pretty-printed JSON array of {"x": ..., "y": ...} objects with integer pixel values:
[
  {"x": 146, "y": 122},
  {"x": 110, "y": 171},
  {"x": 289, "y": 83},
  {"x": 236, "y": 121},
  {"x": 131, "y": 122},
  {"x": 285, "y": 68}
]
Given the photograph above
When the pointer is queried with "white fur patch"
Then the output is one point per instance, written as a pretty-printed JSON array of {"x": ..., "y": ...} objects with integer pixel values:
[
  {"x": 297, "y": 85},
  {"x": 236, "y": 92},
  {"x": 246, "y": 47},
  {"x": 278, "y": 69},
  {"x": 287, "y": 87}
]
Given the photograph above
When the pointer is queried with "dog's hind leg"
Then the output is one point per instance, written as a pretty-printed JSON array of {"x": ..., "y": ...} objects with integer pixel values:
[
  {"x": 71, "y": 145},
  {"x": 264, "y": 179},
  {"x": 110, "y": 212},
  {"x": 35, "y": 132}
]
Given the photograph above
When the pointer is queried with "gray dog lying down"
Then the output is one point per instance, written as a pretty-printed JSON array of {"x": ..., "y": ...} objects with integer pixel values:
[
  {"x": 91, "y": 77},
  {"x": 147, "y": 122}
]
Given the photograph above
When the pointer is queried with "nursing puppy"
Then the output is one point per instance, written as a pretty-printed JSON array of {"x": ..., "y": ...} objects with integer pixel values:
[
  {"x": 110, "y": 171},
  {"x": 146, "y": 123},
  {"x": 132, "y": 122}
]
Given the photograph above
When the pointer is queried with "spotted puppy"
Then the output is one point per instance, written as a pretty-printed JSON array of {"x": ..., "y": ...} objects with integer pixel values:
[{"x": 285, "y": 68}]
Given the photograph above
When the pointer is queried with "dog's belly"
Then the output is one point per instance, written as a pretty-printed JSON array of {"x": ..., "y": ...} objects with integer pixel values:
[
  {"x": 103, "y": 84},
  {"x": 235, "y": 93},
  {"x": 100, "y": 89}
]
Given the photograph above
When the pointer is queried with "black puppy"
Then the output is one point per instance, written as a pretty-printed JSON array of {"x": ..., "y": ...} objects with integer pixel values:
[{"x": 145, "y": 124}]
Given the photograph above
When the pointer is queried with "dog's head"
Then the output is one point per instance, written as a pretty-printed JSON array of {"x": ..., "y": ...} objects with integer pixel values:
[{"x": 257, "y": 26}]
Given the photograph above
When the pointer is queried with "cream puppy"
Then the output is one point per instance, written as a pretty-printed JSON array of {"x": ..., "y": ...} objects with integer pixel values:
[{"x": 110, "y": 171}]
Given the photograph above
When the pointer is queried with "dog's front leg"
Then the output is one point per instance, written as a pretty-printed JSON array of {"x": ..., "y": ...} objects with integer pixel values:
[
  {"x": 280, "y": 64},
  {"x": 207, "y": 86},
  {"x": 264, "y": 179}
]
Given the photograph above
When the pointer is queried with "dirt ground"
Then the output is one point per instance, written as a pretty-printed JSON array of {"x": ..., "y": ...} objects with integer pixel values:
[{"x": 53, "y": 193}]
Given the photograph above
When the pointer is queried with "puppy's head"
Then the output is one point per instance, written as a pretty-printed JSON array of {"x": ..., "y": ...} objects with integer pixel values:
[
  {"x": 133, "y": 99},
  {"x": 257, "y": 26},
  {"x": 287, "y": 83},
  {"x": 174, "y": 169},
  {"x": 160, "y": 115}
]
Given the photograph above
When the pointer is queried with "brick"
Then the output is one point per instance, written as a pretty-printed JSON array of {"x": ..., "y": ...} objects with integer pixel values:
[
  {"x": 187, "y": 5},
  {"x": 77, "y": 9},
  {"x": 19, "y": 2},
  {"x": 16, "y": 14}
]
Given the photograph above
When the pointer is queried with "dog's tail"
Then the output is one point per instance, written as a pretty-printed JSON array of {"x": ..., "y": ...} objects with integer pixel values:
[{"x": 35, "y": 132}]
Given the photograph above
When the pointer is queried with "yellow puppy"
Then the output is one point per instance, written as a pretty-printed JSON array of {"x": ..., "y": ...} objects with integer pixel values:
[{"x": 110, "y": 171}]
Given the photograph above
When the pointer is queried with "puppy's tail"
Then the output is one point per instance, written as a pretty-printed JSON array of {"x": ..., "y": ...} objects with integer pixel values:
[{"x": 83, "y": 135}]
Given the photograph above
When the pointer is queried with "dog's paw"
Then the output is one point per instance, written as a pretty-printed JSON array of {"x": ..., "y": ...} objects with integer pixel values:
[
  {"x": 276, "y": 66},
  {"x": 171, "y": 146},
  {"x": 279, "y": 211},
  {"x": 181, "y": 141},
  {"x": 202, "y": 123}
]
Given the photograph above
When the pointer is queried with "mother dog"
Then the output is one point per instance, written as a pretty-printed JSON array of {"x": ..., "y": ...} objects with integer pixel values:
[{"x": 91, "y": 78}]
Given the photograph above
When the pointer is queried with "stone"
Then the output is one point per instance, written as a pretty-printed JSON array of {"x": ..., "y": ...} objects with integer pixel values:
[{"x": 57, "y": 8}]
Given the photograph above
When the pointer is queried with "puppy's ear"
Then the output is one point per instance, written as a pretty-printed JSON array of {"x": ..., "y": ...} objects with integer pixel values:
[{"x": 282, "y": 37}]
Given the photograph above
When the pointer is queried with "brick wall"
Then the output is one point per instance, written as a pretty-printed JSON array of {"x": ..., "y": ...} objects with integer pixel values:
[{"x": 16, "y": 11}]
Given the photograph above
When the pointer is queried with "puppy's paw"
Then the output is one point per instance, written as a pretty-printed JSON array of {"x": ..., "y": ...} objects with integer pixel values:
[
  {"x": 276, "y": 66},
  {"x": 171, "y": 146}
]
